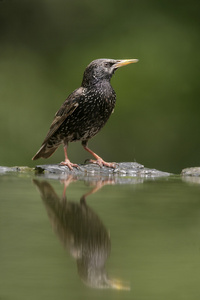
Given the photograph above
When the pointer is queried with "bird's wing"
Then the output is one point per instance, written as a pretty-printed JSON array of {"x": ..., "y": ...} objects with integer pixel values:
[{"x": 68, "y": 107}]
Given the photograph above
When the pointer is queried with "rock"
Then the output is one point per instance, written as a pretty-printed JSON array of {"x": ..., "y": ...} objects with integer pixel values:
[
  {"x": 195, "y": 171},
  {"x": 22, "y": 169},
  {"x": 124, "y": 173},
  {"x": 124, "y": 169},
  {"x": 4, "y": 170}
]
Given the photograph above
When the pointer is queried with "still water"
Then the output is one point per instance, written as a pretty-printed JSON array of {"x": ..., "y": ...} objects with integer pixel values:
[{"x": 99, "y": 240}]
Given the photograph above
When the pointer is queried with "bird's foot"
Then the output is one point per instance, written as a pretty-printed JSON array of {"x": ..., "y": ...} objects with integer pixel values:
[
  {"x": 102, "y": 163},
  {"x": 68, "y": 163}
]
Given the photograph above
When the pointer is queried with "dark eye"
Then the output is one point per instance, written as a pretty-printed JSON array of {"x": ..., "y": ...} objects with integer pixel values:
[{"x": 107, "y": 64}]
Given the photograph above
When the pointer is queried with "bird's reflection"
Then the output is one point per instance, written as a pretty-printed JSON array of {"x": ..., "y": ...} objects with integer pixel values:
[{"x": 81, "y": 232}]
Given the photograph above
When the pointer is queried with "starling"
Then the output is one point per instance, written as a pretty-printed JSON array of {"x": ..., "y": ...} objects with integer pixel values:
[{"x": 84, "y": 112}]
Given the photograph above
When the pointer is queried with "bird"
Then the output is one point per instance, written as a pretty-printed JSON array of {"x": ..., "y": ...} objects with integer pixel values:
[{"x": 85, "y": 111}]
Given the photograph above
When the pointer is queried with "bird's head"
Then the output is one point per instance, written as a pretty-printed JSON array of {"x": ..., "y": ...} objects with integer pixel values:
[{"x": 103, "y": 69}]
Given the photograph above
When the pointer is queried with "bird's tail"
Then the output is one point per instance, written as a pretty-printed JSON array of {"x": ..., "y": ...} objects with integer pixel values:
[{"x": 45, "y": 151}]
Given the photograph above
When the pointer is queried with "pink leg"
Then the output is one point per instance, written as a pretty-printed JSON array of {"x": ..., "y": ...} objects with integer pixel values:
[
  {"x": 67, "y": 162},
  {"x": 99, "y": 161}
]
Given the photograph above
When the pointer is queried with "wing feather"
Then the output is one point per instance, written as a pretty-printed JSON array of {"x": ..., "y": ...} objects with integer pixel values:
[{"x": 68, "y": 107}]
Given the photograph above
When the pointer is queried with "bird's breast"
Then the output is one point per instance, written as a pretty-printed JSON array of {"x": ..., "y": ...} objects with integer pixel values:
[
  {"x": 100, "y": 103},
  {"x": 93, "y": 111}
]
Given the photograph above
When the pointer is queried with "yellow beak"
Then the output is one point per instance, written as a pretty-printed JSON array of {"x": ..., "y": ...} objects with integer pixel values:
[{"x": 124, "y": 62}]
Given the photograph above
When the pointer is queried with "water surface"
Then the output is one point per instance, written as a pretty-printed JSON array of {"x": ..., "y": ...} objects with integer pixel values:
[{"x": 102, "y": 241}]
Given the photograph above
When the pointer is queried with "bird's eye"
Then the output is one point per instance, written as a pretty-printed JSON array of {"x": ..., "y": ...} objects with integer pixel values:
[{"x": 107, "y": 65}]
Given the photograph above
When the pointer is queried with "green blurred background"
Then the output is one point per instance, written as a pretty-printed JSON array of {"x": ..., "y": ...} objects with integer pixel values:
[{"x": 45, "y": 47}]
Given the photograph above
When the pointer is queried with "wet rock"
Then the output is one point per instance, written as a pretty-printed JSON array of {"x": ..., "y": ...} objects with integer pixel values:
[
  {"x": 22, "y": 169},
  {"x": 4, "y": 170},
  {"x": 195, "y": 171},
  {"x": 124, "y": 169}
]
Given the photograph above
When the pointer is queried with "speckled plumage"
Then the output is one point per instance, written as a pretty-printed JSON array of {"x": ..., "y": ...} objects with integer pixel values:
[{"x": 85, "y": 111}]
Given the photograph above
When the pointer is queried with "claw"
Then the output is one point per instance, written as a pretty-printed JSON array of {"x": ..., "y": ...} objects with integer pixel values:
[
  {"x": 68, "y": 163},
  {"x": 102, "y": 163}
]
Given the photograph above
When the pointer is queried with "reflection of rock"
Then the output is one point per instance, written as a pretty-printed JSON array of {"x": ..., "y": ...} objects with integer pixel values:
[
  {"x": 191, "y": 179},
  {"x": 81, "y": 232}
]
